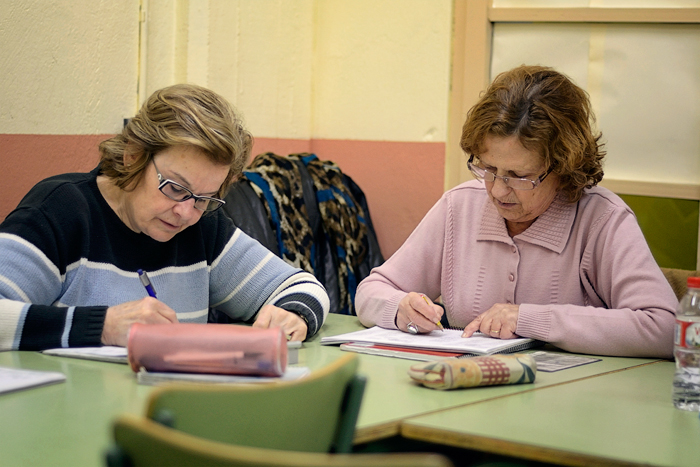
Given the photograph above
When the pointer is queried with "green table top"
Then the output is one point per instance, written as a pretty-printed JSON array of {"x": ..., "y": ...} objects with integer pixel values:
[
  {"x": 69, "y": 423},
  {"x": 391, "y": 396},
  {"x": 620, "y": 418}
]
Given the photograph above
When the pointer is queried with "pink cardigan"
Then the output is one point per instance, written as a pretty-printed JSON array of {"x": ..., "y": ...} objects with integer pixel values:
[{"x": 582, "y": 273}]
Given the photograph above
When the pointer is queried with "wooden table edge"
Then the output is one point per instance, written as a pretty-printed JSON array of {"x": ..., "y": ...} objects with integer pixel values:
[
  {"x": 377, "y": 432},
  {"x": 508, "y": 448}
]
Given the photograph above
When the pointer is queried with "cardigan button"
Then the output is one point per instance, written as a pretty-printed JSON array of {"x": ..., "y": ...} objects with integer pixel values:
[{"x": 511, "y": 277}]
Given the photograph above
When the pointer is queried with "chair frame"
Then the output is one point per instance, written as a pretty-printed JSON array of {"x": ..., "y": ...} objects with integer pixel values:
[
  {"x": 143, "y": 442},
  {"x": 350, "y": 404}
]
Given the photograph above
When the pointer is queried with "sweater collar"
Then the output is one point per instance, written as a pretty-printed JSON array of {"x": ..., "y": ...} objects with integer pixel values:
[{"x": 550, "y": 230}]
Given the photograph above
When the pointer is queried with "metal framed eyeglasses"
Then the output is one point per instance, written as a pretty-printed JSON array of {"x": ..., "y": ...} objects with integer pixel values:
[
  {"x": 516, "y": 183},
  {"x": 179, "y": 193}
]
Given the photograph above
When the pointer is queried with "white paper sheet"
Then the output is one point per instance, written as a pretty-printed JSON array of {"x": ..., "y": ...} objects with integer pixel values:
[
  {"x": 447, "y": 340},
  {"x": 14, "y": 379},
  {"x": 106, "y": 353}
]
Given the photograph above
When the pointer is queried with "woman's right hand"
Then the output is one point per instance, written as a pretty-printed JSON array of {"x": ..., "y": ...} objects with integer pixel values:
[
  {"x": 119, "y": 318},
  {"x": 416, "y": 308}
]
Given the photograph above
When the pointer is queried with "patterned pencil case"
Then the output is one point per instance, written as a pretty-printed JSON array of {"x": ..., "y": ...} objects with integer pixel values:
[
  {"x": 226, "y": 349},
  {"x": 476, "y": 371}
]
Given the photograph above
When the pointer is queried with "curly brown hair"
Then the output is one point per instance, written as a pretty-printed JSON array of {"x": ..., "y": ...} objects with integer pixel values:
[
  {"x": 182, "y": 114},
  {"x": 550, "y": 115}
]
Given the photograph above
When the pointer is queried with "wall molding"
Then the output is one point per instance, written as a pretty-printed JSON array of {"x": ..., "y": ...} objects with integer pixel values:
[
  {"x": 657, "y": 189},
  {"x": 595, "y": 15}
]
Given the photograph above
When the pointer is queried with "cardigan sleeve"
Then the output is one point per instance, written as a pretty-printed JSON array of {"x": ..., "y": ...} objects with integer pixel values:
[
  {"x": 415, "y": 267},
  {"x": 632, "y": 306}
]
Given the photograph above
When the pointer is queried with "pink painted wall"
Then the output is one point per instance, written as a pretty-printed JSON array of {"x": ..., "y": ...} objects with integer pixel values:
[
  {"x": 401, "y": 180},
  {"x": 27, "y": 159}
]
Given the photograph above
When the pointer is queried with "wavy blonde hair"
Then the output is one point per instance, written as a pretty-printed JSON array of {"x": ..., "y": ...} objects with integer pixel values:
[
  {"x": 179, "y": 115},
  {"x": 550, "y": 115}
]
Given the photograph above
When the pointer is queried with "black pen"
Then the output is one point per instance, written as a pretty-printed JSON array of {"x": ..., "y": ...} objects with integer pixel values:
[{"x": 147, "y": 283}]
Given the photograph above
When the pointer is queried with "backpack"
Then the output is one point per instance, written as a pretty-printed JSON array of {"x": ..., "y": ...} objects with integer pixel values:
[{"x": 313, "y": 216}]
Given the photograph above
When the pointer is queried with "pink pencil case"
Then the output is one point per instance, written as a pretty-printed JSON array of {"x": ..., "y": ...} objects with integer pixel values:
[{"x": 227, "y": 349}]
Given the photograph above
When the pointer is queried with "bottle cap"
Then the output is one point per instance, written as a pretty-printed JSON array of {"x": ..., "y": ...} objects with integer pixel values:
[{"x": 694, "y": 282}]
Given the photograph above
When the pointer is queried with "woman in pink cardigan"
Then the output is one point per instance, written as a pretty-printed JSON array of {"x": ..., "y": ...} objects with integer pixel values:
[{"x": 532, "y": 247}]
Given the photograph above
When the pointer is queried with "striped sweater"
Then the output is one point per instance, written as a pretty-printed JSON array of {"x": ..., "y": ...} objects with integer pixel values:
[{"x": 65, "y": 257}]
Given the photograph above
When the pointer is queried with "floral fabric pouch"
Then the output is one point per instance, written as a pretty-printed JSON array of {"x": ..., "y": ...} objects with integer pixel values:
[{"x": 488, "y": 370}]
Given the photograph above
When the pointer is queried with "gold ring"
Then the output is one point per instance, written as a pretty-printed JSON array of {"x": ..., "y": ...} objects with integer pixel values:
[{"x": 495, "y": 332}]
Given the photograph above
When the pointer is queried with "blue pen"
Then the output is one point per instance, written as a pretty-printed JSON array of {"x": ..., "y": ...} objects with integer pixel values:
[{"x": 147, "y": 283}]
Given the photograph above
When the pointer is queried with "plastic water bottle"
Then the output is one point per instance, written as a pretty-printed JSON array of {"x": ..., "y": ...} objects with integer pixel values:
[{"x": 686, "y": 382}]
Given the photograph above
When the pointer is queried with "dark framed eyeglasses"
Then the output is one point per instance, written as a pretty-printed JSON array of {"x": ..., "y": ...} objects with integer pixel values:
[
  {"x": 179, "y": 193},
  {"x": 516, "y": 183}
]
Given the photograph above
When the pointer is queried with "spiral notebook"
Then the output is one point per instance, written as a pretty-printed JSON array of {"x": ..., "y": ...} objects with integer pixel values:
[
  {"x": 444, "y": 341},
  {"x": 421, "y": 355}
]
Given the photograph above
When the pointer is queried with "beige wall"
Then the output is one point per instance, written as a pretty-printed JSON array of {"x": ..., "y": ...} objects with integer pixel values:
[
  {"x": 69, "y": 77},
  {"x": 364, "y": 83},
  {"x": 360, "y": 69},
  {"x": 68, "y": 67}
]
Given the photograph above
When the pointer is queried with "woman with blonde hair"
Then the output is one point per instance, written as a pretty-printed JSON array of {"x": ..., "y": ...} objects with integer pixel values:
[{"x": 71, "y": 252}]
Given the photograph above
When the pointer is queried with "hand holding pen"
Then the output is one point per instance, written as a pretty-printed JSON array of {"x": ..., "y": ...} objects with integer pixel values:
[
  {"x": 417, "y": 314},
  {"x": 146, "y": 310}
]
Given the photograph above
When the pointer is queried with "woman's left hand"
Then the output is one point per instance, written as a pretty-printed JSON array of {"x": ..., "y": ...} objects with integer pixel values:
[
  {"x": 500, "y": 321},
  {"x": 293, "y": 326}
]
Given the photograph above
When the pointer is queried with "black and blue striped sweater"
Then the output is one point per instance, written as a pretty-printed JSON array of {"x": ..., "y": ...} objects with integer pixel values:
[{"x": 65, "y": 257}]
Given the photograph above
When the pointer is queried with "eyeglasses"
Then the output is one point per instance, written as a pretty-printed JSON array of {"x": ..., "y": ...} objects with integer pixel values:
[
  {"x": 179, "y": 193},
  {"x": 514, "y": 182}
]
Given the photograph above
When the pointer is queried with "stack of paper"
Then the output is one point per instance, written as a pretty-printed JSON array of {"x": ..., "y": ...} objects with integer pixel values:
[
  {"x": 13, "y": 379},
  {"x": 443, "y": 341},
  {"x": 107, "y": 353}
]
